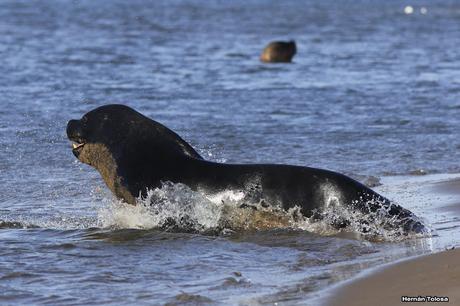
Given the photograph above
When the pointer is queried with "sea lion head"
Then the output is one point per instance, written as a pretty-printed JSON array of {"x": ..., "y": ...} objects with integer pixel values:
[
  {"x": 279, "y": 52},
  {"x": 117, "y": 140},
  {"x": 96, "y": 132}
]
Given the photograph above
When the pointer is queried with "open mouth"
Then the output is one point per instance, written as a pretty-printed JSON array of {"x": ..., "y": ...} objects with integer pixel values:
[
  {"x": 77, "y": 146},
  {"x": 75, "y": 134}
]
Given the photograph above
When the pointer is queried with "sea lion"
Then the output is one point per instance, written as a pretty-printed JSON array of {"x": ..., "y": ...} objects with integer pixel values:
[
  {"x": 279, "y": 52},
  {"x": 134, "y": 154}
]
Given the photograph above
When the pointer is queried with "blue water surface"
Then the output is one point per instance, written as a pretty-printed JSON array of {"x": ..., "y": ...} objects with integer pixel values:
[{"x": 372, "y": 91}]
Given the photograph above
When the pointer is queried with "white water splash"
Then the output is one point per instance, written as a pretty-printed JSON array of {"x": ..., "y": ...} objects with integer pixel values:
[
  {"x": 172, "y": 203},
  {"x": 176, "y": 206},
  {"x": 378, "y": 225}
]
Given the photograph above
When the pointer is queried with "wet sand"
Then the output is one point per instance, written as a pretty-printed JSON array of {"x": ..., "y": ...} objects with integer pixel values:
[{"x": 430, "y": 275}]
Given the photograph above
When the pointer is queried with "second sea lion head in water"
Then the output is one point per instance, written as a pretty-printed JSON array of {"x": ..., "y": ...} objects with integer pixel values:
[
  {"x": 109, "y": 135},
  {"x": 279, "y": 52}
]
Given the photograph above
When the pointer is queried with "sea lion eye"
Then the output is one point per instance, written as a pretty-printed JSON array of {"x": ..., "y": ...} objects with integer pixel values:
[{"x": 84, "y": 119}]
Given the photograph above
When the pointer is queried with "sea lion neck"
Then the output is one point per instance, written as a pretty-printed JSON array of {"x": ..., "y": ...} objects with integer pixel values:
[{"x": 102, "y": 158}]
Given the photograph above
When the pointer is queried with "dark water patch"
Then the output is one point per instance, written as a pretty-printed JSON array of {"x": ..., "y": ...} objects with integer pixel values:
[
  {"x": 239, "y": 55},
  {"x": 419, "y": 172},
  {"x": 259, "y": 69},
  {"x": 233, "y": 282},
  {"x": 14, "y": 275},
  {"x": 153, "y": 235},
  {"x": 106, "y": 277},
  {"x": 291, "y": 295},
  {"x": 302, "y": 240},
  {"x": 118, "y": 235},
  {"x": 59, "y": 246},
  {"x": 15, "y": 225},
  {"x": 56, "y": 299},
  {"x": 190, "y": 300},
  {"x": 11, "y": 295}
]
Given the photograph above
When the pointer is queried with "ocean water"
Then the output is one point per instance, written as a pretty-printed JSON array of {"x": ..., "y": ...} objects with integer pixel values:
[{"x": 372, "y": 92}]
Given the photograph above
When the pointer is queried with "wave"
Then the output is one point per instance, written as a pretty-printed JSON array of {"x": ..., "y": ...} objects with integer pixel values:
[
  {"x": 15, "y": 224},
  {"x": 57, "y": 222}
]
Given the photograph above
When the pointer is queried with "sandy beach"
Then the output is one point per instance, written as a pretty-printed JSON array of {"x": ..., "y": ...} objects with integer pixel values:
[
  {"x": 436, "y": 275},
  {"x": 413, "y": 280}
]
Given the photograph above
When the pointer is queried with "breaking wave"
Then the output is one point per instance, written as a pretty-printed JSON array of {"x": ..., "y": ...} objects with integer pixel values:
[{"x": 175, "y": 207}]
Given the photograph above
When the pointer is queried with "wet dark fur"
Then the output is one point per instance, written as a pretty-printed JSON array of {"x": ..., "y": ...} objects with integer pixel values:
[{"x": 134, "y": 153}]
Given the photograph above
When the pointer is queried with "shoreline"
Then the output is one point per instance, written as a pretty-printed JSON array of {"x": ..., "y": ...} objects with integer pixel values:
[
  {"x": 434, "y": 275},
  {"x": 416, "y": 278}
]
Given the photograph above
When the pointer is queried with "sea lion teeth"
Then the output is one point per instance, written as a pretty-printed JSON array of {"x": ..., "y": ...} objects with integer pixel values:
[{"x": 76, "y": 146}]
